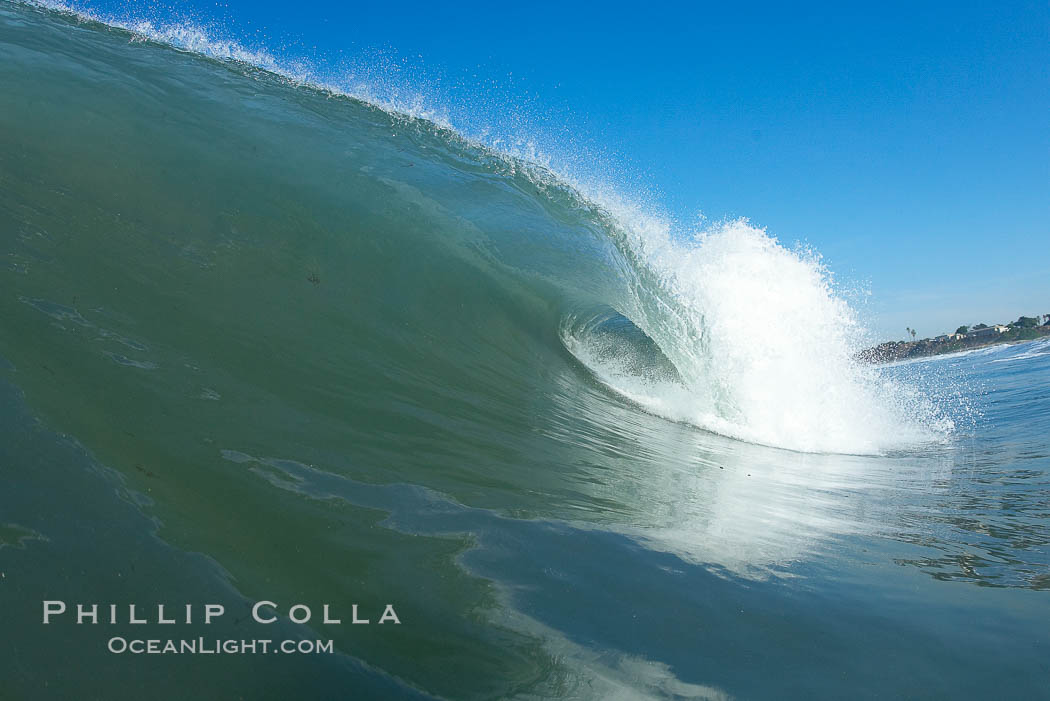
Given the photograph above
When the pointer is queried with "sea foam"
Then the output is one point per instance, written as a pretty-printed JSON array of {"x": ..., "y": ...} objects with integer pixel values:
[{"x": 765, "y": 349}]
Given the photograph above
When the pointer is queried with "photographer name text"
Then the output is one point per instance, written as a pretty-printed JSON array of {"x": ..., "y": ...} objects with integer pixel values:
[{"x": 263, "y": 612}]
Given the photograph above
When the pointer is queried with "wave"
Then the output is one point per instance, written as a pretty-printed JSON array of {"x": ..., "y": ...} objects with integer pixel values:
[
  {"x": 1026, "y": 351},
  {"x": 473, "y": 255}
]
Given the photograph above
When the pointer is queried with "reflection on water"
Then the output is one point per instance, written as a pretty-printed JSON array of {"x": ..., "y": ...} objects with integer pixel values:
[
  {"x": 979, "y": 505},
  {"x": 748, "y": 509}
]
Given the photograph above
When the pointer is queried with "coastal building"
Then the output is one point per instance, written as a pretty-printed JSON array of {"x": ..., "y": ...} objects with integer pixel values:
[
  {"x": 987, "y": 332},
  {"x": 944, "y": 338}
]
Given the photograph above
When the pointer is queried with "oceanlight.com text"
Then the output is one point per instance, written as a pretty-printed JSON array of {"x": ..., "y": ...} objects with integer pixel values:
[{"x": 212, "y": 646}]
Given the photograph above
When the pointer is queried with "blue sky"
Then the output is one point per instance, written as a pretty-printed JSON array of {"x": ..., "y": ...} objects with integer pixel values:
[{"x": 908, "y": 143}]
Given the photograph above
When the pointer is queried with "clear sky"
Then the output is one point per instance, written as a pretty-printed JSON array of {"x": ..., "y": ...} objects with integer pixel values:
[{"x": 909, "y": 143}]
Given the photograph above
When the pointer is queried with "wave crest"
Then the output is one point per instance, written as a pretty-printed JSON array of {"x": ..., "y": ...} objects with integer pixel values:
[{"x": 763, "y": 350}]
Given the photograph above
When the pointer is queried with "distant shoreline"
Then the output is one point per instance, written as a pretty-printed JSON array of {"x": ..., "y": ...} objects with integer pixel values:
[{"x": 892, "y": 351}]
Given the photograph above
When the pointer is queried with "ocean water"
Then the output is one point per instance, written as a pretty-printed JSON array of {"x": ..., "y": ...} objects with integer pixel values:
[{"x": 261, "y": 340}]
